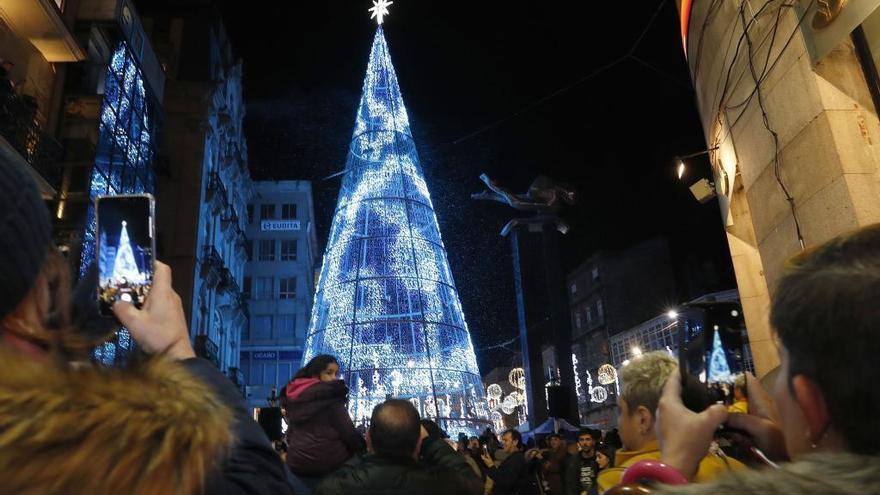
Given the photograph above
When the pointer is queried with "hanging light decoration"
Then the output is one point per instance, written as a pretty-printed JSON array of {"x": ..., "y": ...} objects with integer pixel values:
[
  {"x": 519, "y": 397},
  {"x": 508, "y": 405},
  {"x": 607, "y": 374},
  {"x": 517, "y": 378},
  {"x": 598, "y": 394},
  {"x": 494, "y": 403},
  {"x": 494, "y": 391}
]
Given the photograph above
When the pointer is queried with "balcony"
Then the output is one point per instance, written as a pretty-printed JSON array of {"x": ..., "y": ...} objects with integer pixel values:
[
  {"x": 207, "y": 349},
  {"x": 229, "y": 220},
  {"x": 40, "y": 22},
  {"x": 216, "y": 193},
  {"x": 212, "y": 266},
  {"x": 19, "y": 127}
]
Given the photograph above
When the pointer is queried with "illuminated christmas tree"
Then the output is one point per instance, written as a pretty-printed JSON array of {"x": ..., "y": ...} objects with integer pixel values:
[
  {"x": 386, "y": 304},
  {"x": 124, "y": 265}
]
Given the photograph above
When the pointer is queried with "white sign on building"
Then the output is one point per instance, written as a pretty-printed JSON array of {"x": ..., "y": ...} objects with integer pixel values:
[{"x": 267, "y": 225}]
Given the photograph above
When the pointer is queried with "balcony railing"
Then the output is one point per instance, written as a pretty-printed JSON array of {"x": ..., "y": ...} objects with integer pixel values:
[
  {"x": 216, "y": 192},
  {"x": 19, "y": 127},
  {"x": 237, "y": 377},
  {"x": 208, "y": 349},
  {"x": 212, "y": 266}
]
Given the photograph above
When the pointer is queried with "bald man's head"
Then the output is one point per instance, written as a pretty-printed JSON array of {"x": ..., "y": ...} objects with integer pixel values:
[{"x": 394, "y": 429}]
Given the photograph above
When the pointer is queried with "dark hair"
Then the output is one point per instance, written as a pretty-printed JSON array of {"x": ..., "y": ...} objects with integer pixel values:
[
  {"x": 587, "y": 431},
  {"x": 826, "y": 301},
  {"x": 516, "y": 435},
  {"x": 554, "y": 435},
  {"x": 315, "y": 366},
  {"x": 395, "y": 429}
]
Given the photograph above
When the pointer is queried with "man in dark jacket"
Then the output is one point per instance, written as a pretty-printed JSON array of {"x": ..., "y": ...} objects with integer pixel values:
[
  {"x": 402, "y": 458},
  {"x": 582, "y": 469},
  {"x": 513, "y": 475}
]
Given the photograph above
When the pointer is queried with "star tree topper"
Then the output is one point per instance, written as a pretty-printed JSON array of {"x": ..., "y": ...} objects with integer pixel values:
[{"x": 380, "y": 10}]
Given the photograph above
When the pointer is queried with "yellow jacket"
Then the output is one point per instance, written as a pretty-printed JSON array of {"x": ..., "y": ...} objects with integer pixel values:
[
  {"x": 711, "y": 466},
  {"x": 740, "y": 406}
]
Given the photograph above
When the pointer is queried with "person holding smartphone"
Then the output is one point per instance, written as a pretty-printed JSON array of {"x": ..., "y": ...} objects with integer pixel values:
[{"x": 169, "y": 424}]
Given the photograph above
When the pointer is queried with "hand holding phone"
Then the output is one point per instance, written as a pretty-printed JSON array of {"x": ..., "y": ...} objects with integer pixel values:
[
  {"x": 160, "y": 327},
  {"x": 125, "y": 247}
]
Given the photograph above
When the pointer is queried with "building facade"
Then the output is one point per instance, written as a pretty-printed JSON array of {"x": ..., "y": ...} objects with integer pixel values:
[
  {"x": 81, "y": 104},
  {"x": 37, "y": 43},
  {"x": 205, "y": 186},
  {"x": 609, "y": 293},
  {"x": 279, "y": 284},
  {"x": 791, "y": 123}
]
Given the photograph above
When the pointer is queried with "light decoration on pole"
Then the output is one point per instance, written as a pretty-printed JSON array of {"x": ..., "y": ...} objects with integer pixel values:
[
  {"x": 517, "y": 378},
  {"x": 597, "y": 394},
  {"x": 494, "y": 391},
  {"x": 577, "y": 379},
  {"x": 606, "y": 374},
  {"x": 509, "y": 404},
  {"x": 385, "y": 298}
]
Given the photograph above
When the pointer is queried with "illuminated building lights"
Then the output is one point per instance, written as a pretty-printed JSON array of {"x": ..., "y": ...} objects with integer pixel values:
[{"x": 386, "y": 304}]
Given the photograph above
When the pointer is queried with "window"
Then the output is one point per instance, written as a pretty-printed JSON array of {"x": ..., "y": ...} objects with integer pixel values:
[
  {"x": 600, "y": 311},
  {"x": 595, "y": 272},
  {"x": 287, "y": 288},
  {"x": 286, "y": 326},
  {"x": 288, "y": 211},
  {"x": 249, "y": 248},
  {"x": 250, "y": 213},
  {"x": 288, "y": 250},
  {"x": 261, "y": 327},
  {"x": 285, "y": 372},
  {"x": 246, "y": 288},
  {"x": 264, "y": 288},
  {"x": 577, "y": 321},
  {"x": 267, "y": 212},
  {"x": 589, "y": 316},
  {"x": 267, "y": 250},
  {"x": 574, "y": 288}
]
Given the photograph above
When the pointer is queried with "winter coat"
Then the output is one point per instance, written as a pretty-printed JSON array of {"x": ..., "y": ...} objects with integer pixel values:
[
  {"x": 441, "y": 471},
  {"x": 513, "y": 476},
  {"x": 820, "y": 473},
  {"x": 320, "y": 434},
  {"x": 710, "y": 467},
  {"x": 175, "y": 427}
]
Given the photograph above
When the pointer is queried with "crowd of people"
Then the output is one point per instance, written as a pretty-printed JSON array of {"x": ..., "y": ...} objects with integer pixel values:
[{"x": 172, "y": 423}]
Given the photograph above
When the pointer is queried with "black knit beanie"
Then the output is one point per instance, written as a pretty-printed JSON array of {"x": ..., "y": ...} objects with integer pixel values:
[{"x": 25, "y": 234}]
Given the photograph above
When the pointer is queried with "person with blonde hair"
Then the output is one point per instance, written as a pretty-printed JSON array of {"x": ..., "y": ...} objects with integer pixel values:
[{"x": 641, "y": 385}]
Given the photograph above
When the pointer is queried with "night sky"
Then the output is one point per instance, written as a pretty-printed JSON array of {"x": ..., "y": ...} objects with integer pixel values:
[{"x": 514, "y": 89}]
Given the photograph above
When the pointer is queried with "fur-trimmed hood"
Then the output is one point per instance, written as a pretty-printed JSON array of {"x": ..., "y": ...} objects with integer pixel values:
[
  {"x": 152, "y": 429},
  {"x": 820, "y": 473}
]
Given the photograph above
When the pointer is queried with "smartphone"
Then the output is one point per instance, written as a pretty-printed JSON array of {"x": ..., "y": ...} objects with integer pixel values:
[
  {"x": 711, "y": 352},
  {"x": 125, "y": 249}
]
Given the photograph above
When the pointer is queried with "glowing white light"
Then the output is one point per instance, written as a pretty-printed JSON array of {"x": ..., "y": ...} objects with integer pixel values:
[
  {"x": 494, "y": 391},
  {"x": 672, "y": 314},
  {"x": 625, "y": 362},
  {"x": 734, "y": 313},
  {"x": 599, "y": 394},
  {"x": 508, "y": 405},
  {"x": 636, "y": 351},
  {"x": 517, "y": 378},
  {"x": 681, "y": 169},
  {"x": 577, "y": 379},
  {"x": 379, "y": 10},
  {"x": 606, "y": 374},
  {"x": 386, "y": 300}
]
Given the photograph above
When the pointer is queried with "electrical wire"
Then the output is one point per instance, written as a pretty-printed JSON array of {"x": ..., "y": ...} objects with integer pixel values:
[{"x": 766, "y": 120}]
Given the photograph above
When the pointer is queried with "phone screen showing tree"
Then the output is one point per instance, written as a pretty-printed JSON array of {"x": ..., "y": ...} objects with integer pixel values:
[{"x": 125, "y": 250}]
